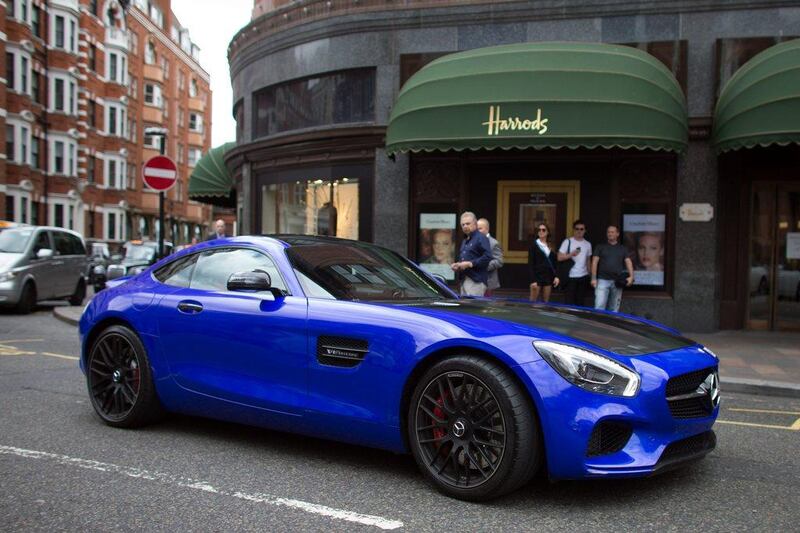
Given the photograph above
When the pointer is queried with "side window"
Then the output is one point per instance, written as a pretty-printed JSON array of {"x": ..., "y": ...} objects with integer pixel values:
[
  {"x": 177, "y": 273},
  {"x": 42, "y": 242},
  {"x": 62, "y": 242},
  {"x": 77, "y": 245},
  {"x": 216, "y": 266}
]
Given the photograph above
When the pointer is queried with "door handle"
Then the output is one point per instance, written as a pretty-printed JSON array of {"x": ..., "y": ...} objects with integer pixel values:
[{"x": 190, "y": 308}]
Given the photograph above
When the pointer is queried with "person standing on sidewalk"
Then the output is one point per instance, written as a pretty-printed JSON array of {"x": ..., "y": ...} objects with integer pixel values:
[
  {"x": 473, "y": 258},
  {"x": 579, "y": 250},
  {"x": 542, "y": 265},
  {"x": 497, "y": 258},
  {"x": 610, "y": 263}
]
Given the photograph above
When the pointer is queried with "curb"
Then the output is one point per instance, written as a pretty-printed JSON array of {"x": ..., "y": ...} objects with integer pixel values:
[
  {"x": 65, "y": 317},
  {"x": 760, "y": 387}
]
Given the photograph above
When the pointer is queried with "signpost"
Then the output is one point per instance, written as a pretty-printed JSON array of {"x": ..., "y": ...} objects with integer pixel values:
[{"x": 160, "y": 174}]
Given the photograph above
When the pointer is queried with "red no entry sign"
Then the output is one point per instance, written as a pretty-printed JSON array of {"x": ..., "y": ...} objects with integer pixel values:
[{"x": 160, "y": 173}]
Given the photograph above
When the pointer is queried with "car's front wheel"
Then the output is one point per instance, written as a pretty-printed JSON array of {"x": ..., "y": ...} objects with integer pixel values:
[
  {"x": 120, "y": 381},
  {"x": 473, "y": 430}
]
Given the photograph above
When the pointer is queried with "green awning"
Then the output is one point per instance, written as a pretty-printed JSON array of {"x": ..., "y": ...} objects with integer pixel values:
[
  {"x": 537, "y": 95},
  {"x": 760, "y": 105},
  {"x": 210, "y": 181}
]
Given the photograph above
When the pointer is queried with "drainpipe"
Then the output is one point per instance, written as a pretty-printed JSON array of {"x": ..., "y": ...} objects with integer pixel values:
[{"x": 45, "y": 118}]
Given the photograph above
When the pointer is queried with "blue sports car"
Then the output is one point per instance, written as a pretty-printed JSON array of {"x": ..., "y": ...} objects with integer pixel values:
[{"x": 351, "y": 341}]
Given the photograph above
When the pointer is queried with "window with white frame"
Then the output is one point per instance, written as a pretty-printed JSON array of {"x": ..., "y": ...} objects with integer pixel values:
[
  {"x": 63, "y": 155},
  {"x": 62, "y": 212},
  {"x": 152, "y": 141},
  {"x": 193, "y": 91},
  {"x": 116, "y": 67},
  {"x": 152, "y": 95},
  {"x": 196, "y": 122},
  {"x": 21, "y": 206},
  {"x": 194, "y": 156},
  {"x": 114, "y": 224},
  {"x": 63, "y": 31},
  {"x": 156, "y": 15},
  {"x": 19, "y": 10},
  {"x": 19, "y": 143},
  {"x": 18, "y": 70},
  {"x": 114, "y": 171},
  {"x": 63, "y": 94},
  {"x": 116, "y": 119},
  {"x": 150, "y": 53}
]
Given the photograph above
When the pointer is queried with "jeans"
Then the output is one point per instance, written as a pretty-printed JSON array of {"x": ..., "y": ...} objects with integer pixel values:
[{"x": 607, "y": 295}]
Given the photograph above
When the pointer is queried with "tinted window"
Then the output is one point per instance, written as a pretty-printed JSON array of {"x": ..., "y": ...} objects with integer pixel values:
[
  {"x": 76, "y": 245},
  {"x": 42, "y": 242},
  {"x": 214, "y": 267},
  {"x": 357, "y": 271},
  {"x": 178, "y": 273},
  {"x": 62, "y": 243},
  {"x": 336, "y": 98}
]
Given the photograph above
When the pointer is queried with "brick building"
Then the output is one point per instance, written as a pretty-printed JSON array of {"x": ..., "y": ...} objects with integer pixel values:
[{"x": 81, "y": 81}]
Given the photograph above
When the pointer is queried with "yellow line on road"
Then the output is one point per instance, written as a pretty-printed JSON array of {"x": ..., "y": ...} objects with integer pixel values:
[
  {"x": 70, "y": 357},
  {"x": 763, "y": 411},
  {"x": 4, "y": 341},
  {"x": 793, "y": 427}
]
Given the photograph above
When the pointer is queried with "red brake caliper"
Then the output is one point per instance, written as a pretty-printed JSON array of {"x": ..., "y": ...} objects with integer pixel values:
[{"x": 438, "y": 432}]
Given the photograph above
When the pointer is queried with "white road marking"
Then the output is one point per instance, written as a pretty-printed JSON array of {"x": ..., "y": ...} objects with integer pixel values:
[
  {"x": 313, "y": 508},
  {"x": 70, "y": 357}
]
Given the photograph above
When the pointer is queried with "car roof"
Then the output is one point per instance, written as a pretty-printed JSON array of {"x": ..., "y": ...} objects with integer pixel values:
[{"x": 49, "y": 228}]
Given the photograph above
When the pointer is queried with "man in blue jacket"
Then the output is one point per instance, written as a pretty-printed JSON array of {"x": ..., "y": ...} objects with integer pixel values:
[{"x": 473, "y": 258}]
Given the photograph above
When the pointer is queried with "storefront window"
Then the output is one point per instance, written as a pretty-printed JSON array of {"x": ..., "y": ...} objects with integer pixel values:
[
  {"x": 645, "y": 235},
  {"x": 314, "y": 206},
  {"x": 338, "y": 98}
]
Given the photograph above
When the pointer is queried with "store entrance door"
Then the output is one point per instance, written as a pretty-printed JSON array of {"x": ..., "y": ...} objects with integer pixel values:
[{"x": 774, "y": 275}]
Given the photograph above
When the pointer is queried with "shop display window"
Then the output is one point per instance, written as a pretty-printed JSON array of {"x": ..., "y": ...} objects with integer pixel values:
[{"x": 645, "y": 231}]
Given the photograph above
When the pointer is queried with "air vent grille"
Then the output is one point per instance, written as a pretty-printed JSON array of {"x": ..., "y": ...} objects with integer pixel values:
[{"x": 341, "y": 351}]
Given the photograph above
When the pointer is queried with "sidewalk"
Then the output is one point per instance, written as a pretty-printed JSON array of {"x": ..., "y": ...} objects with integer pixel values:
[{"x": 757, "y": 362}]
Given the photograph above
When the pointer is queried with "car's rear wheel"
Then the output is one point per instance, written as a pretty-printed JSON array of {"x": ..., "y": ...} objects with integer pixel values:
[
  {"x": 27, "y": 300},
  {"x": 80, "y": 293},
  {"x": 473, "y": 430},
  {"x": 120, "y": 381}
]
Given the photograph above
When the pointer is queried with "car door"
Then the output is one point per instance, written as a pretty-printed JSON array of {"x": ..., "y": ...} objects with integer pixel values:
[
  {"x": 62, "y": 264},
  {"x": 42, "y": 269},
  {"x": 244, "y": 347}
]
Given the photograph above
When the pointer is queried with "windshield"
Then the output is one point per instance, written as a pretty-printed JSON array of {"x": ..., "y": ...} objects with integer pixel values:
[
  {"x": 360, "y": 272},
  {"x": 15, "y": 240},
  {"x": 139, "y": 252}
]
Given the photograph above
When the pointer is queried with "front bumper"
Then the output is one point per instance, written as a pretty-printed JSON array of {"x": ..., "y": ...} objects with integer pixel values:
[
  {"x": 10, "y": 291},
  {"x": 647, "y": 438}
]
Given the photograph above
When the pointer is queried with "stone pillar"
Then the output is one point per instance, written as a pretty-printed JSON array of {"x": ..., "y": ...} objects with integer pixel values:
[
  {"x": 696, "y": 271},
  {"x": 390, "y": 205}
]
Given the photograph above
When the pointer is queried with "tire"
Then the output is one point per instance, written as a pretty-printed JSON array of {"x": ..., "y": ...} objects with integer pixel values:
[
  {"x": 473, "y": 430},
  {"x": 80, "y": 293},
  {"x": 120, "y": 381},
  {"x": 27, "y": 300}
]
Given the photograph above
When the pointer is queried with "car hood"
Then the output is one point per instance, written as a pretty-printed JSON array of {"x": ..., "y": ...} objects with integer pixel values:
[
  {"x": 8, "y": 260},
  {"x": 614, "y": 333}
]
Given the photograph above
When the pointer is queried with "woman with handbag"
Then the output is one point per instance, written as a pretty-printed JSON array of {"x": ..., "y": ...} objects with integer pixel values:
[{"x": 542, "y": 265}]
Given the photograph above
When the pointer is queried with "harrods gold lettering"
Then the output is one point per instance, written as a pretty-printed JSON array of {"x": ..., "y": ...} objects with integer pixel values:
[{"x": 496, "y": 124}]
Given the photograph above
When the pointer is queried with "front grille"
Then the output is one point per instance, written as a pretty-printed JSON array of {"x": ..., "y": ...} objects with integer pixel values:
[
  {"x": 685, "y": 449},
  {"x": 341, "y": 351},
  {"x": 608, "y": 437},
  {"x": 695, "y": 407}
]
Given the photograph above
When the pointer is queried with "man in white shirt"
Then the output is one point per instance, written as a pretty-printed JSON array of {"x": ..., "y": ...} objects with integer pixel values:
[{"x": 579, "y": 250}]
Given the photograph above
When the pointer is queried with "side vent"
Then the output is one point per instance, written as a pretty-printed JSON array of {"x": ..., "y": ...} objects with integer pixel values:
[{"x": 341, "y": 351}]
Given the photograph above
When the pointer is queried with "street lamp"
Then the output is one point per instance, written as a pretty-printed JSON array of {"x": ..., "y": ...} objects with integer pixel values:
[{"x": 154, "y": 131}]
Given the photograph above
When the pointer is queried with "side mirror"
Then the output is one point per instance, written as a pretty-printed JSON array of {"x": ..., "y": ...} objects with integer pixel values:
[
  {"x": 44, "y": 253},
  {"x": 253, "y": 281}
]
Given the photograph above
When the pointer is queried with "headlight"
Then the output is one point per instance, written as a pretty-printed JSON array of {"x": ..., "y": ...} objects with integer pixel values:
[
  {"x": 99, "y": 270},
  {"x": 7, "y": 276},
  {"x": 589, "y": 370}
]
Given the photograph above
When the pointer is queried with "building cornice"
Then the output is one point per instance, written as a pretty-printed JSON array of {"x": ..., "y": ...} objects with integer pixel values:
[
  {"x": 309, "y": 20},
  {"x": 169, "y": 43}
]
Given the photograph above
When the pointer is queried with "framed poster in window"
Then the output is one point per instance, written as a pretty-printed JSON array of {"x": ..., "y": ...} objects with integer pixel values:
[
  {"x": 437, "y": 243},
  {"x": 522, "y": 205},
  {"x": 645, "y": 233}
]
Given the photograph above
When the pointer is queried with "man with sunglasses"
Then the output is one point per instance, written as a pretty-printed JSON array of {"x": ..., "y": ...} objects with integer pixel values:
[{"x": 579, "y": 250}]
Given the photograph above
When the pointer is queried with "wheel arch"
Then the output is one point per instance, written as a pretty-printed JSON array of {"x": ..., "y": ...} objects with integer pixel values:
[
  {"x": 98, "y": 328},
  {"x": 441, "y": 354}
]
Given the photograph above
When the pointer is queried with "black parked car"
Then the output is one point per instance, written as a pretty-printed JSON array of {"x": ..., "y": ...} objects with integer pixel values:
[
  {"x": 137, "y": 256},
  {"x": 99, "y": 259}
]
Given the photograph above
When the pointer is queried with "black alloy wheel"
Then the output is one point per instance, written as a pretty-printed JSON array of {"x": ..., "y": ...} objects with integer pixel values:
[
  {"x": 119, "y": 379},
  {"x": 472, "y": 430}
]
